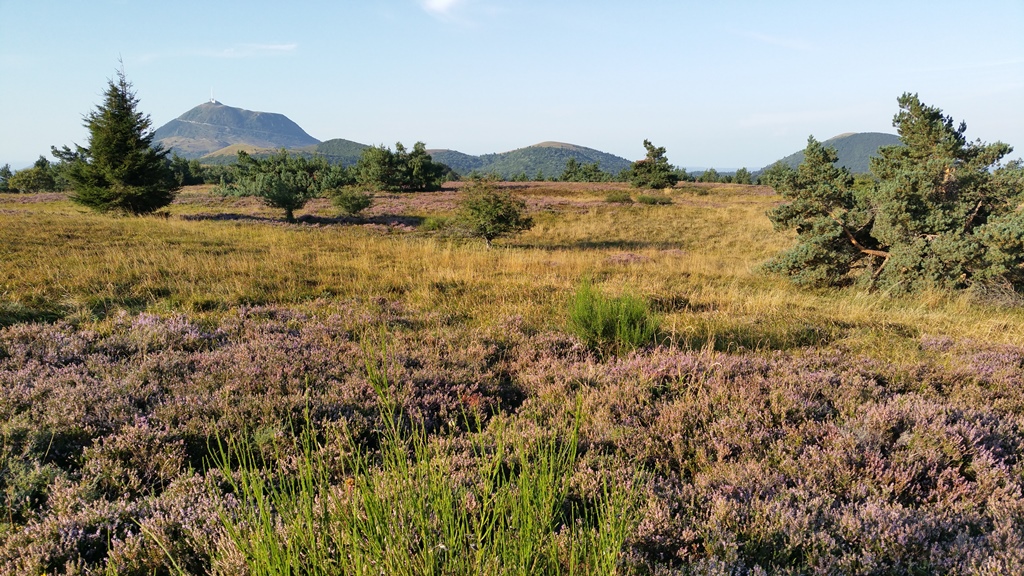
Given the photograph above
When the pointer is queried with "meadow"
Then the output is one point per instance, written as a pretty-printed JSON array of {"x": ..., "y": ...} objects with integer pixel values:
[{"x": 211, "y": 390}]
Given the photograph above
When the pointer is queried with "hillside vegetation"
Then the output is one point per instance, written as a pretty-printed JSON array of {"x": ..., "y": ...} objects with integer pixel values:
[
  {"x": 854, "y": 150},
  {"x": 547, "y": 159},
  {"x": 210, "y": 389}
]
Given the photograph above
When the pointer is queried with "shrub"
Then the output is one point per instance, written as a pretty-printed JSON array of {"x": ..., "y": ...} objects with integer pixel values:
[
  {"x": 653, "y": 199},
  {"x": 619, "y": 197},
  {"x": 381, "y": 169},
  {"x": 351, "y": 201},
  {"x": 490, "y": 213},
  {"x": 611, "y": 324},
  {"x": 435, "y": 224},
  {"x": 281, "y": 181}
]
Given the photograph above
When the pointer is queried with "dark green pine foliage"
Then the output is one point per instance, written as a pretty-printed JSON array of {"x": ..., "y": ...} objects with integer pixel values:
[
  {"x": 943, "y": 214},
  {"x": 420, "y": 172},
  {"x": 283, "y": 181},
  {"x": 654, "y": 171},
  {"x": 828, "y": 218},
  {"x": 120, "y": 170},
  {"x": 400, "y": 171},
  {"x": 936, "y": 199},
  {"x": 576, "y": 172},
  {"x": 709, "y": 175},
  {"x": 5, "y": 177}
]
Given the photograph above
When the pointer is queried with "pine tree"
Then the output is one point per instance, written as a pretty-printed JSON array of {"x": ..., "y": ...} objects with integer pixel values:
[
  {"x": 121, "y": 169},
  {"x": 5, "y": 177},
  {"x": 654, "y": 171},
  {"x": 282, "y": 181},
  {"x": 943, "y": 213}
]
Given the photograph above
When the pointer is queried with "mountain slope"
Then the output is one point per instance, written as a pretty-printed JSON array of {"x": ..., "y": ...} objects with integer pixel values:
[
  {"x": 548, "y": 158},
  {"x": 212, "y": 126},
  {"x": 853, "y": 148}
]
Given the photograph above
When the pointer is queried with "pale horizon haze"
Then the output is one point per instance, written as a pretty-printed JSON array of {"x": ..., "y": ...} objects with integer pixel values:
[{"x": 719, "y": 84}]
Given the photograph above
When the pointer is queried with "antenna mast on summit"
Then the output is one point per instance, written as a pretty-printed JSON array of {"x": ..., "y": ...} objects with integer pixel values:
[{"x": 212, "y": 99}]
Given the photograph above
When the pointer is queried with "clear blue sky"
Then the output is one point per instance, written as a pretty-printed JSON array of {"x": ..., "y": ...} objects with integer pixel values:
[{"x": 723, "y": 84}]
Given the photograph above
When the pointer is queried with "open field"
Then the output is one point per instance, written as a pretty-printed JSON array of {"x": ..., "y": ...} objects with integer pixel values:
[{"x": 772, "y": 429}]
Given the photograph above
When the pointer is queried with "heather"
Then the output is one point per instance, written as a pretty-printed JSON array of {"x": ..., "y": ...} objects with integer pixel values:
[
  {"x": 809, "y": 461},
  {"x": 216, "y": 391}
]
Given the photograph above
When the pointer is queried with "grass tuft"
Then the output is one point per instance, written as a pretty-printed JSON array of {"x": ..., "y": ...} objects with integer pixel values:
[
  {"x": 611, "y": 325},
  {"x": 404, "y": 509}
]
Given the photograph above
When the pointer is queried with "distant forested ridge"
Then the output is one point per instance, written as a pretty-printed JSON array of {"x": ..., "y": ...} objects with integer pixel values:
[
  {"x": 854, "y": 150},
  {"x": 546, "y": 158}
]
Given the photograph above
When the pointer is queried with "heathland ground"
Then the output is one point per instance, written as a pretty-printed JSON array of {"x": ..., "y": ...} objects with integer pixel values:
[{"x": 768, "y": 428}]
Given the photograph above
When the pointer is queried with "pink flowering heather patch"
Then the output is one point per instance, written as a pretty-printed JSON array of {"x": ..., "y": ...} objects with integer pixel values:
[{"x": 803, "y": 462}]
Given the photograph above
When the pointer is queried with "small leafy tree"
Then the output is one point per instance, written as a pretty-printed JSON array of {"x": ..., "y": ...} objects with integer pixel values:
[
  {"x": 488, "y": 212},
  {"x": 121, "y": 169},
  {"x": 944, "y": 213},
  {"x": 377, "y": 169},
  {"x": 281, "y": 181},
  {"x": 654, "y": 171},
  {"x": 742, "y": 176}
]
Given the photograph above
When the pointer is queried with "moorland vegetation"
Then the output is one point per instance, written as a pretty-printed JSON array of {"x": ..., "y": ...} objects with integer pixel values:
[{"x": 617, "y": 388}]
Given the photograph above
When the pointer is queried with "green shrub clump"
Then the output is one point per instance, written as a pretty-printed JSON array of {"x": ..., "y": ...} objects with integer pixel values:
[
  {"x": 611, "y": 325},
  {"x": 619, "y": 197},
  {"x": 653, "y": 199},
  {"x": 351, "y": 201},
  {"x": 488, "y": 212}
]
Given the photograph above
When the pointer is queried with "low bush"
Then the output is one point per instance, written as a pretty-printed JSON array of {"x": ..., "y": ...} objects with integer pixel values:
[
  {"x": 619, "y": 197},
  {"x": 653, "y": 199},
  {"x": 351, "y": 201},
  {"x": 435, "y": 224}
]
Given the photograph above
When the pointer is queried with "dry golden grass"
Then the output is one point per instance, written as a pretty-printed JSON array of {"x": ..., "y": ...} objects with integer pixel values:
[{"x": 697, "y": 260}]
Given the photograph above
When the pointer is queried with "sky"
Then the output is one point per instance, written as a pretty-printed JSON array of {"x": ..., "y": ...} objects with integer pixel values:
[{"x": 722, "y": 84}]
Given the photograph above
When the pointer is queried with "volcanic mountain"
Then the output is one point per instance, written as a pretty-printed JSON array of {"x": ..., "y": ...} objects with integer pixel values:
[{"x": 212, "y": 126}]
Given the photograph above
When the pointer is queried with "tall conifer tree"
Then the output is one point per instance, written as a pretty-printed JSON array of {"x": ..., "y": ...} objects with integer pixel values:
[{"x": 120, "y": 170}]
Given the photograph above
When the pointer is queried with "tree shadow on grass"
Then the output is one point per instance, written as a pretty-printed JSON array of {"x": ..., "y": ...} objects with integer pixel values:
[
  {"x": 380, "y": 219},
  {"x": 228, "y": 217},
  {"x": 12, "y": 313},
  {"x": 603, "y": 245}
]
